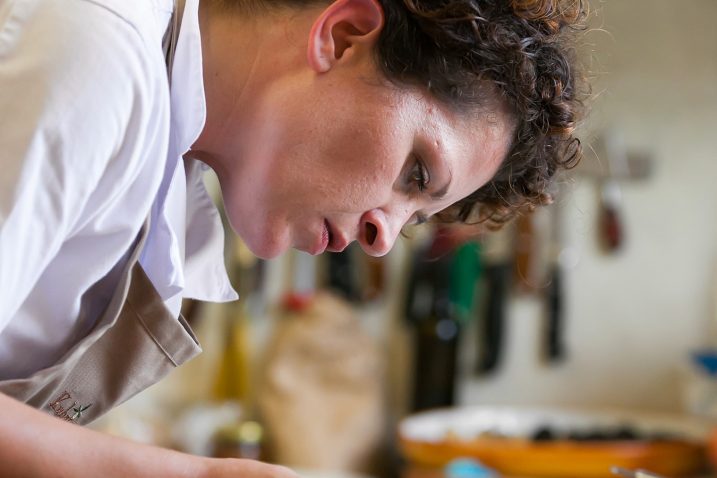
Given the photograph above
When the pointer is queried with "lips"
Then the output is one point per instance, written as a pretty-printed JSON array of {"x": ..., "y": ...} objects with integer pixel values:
[
  {"x": 330, "y": 240},
  {"x": 324, "y": 240},
  {"x": 337, "y": 242}
]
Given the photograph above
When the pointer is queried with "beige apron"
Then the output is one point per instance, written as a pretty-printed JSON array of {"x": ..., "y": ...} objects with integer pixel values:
[{"x": 135, "y": 343}]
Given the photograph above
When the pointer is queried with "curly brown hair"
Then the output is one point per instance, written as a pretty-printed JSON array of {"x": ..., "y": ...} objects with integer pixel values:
[{"x": 523, "y": 50}]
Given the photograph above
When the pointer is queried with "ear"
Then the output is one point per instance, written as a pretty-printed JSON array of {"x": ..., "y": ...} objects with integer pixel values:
[{"x": 341, "y": 26}]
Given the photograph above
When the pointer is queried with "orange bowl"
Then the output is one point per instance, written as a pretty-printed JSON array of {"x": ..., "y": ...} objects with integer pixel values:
[
  {"x": 712, "y": 448},
  {"x": 435, "y": 438}
]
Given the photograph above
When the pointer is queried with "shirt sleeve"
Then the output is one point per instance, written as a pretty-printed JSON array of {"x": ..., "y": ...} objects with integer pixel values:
[{"x": 74, "y": 94}]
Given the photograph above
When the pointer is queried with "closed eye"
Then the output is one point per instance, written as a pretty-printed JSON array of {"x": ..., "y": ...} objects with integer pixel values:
[{"x": 419, "y": 175}]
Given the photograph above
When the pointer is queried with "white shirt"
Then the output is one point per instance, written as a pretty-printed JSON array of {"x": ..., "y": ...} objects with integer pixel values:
[{"x": 91, "y": 141}]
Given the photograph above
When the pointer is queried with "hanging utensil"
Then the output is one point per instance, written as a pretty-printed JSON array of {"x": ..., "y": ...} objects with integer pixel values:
[
  {"x": 497, "y": 272},
  {"x": 554, "y": 343},
  {"x": 610, "y": 221},
  {"x": 526, "y": 254}
]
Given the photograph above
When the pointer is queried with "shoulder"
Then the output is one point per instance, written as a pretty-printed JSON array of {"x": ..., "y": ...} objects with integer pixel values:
[
  {"x": 86, "y": 87},
  {"x": 84, "y": 126},
  {"x": 62, "y": 32},
  {"x": 95, "y": 66},
  {"x": 145, "y": 17}
]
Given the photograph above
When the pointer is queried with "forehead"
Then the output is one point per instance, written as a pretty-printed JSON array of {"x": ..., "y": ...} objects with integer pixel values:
[{"x": 472, "y": 124}]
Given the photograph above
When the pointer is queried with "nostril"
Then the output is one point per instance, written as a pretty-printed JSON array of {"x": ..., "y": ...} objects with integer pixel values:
[{"x": 371, "y": 233}]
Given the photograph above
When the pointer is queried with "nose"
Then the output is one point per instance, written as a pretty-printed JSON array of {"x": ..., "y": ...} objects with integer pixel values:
[{"x": 378, "y": 232}]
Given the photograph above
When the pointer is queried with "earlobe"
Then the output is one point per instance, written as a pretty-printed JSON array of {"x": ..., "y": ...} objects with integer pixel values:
[{"x": 342, "y": 25}]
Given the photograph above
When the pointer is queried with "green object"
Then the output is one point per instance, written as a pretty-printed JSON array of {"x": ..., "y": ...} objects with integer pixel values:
[{"x": 466, "y": 270}]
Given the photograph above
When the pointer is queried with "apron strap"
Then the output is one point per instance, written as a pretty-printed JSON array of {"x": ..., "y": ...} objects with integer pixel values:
[{"x": 171, "y": 36}]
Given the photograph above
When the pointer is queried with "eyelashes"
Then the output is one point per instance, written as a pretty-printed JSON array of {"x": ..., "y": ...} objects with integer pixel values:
[
  {"x": 419, "y": 180},
  {"x": 419, "y": 175}
]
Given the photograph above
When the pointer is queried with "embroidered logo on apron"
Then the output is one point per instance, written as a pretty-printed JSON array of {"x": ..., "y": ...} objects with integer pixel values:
[{"x": 70, "y": 413}]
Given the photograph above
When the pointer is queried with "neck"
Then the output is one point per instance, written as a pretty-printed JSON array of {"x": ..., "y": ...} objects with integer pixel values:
[
  {"x": 229, "y": 48},
  {"x": 242, "y": 53}
]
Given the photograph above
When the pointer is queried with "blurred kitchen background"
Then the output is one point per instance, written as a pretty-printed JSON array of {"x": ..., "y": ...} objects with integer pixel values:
[{"x": 606, "y": 300}]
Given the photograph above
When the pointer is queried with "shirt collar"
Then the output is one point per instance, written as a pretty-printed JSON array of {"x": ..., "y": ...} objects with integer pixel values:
[
  {"x": 187, "y": 92},
  {"x": 185, "y": 251},
  {"x": 205, "y": 271}
]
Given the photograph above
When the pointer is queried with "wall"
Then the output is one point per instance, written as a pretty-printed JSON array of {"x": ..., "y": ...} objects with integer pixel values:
[{"x": 633, "y": 318}]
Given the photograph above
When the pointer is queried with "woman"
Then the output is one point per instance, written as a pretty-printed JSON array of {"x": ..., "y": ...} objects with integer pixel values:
[{"x": 325, "y": 123}]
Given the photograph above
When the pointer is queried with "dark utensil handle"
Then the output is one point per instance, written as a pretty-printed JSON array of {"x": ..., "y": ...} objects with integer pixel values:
[
  {"x": 555, "y": 348},
  {"x": 611, "y": 227},
  {"x": 491, "y": 329}
]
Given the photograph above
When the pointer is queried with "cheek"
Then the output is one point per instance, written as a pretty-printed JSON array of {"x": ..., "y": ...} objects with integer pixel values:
[
  {"x": 372, "y": 151},
  {"x": 347, "y": 167},
  {"x": 342, "y": 158},
  {"x": 364, "y": 173}
]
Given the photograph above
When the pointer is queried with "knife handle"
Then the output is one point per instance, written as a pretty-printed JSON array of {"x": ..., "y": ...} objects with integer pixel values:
[
  {"x": 491, "y": 329},
  {"x": 555, "y": 348}
]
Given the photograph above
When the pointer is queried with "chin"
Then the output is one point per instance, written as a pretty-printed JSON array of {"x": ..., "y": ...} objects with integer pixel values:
[
  {"x": 264, "y": 246},
  {"x": 266, "y": 239},
  {"x": 264, "y": 252}
]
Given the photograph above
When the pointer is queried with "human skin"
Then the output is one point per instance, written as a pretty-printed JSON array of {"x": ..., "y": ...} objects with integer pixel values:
[
  {"x": 37, "y": 445},
  {"x": 300, "y": 130},
  {"x": 314, "y": 149}
]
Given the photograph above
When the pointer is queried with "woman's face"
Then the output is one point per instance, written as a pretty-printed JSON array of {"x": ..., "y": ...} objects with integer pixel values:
[{"x": 316, "y": 162}]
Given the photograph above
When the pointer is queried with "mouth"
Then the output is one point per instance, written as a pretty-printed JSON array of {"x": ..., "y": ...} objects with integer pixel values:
[
  {"x": 329, "y": 240},
  {"x": 337, "y": 242},
  {"x": 324, "y": 240}
]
